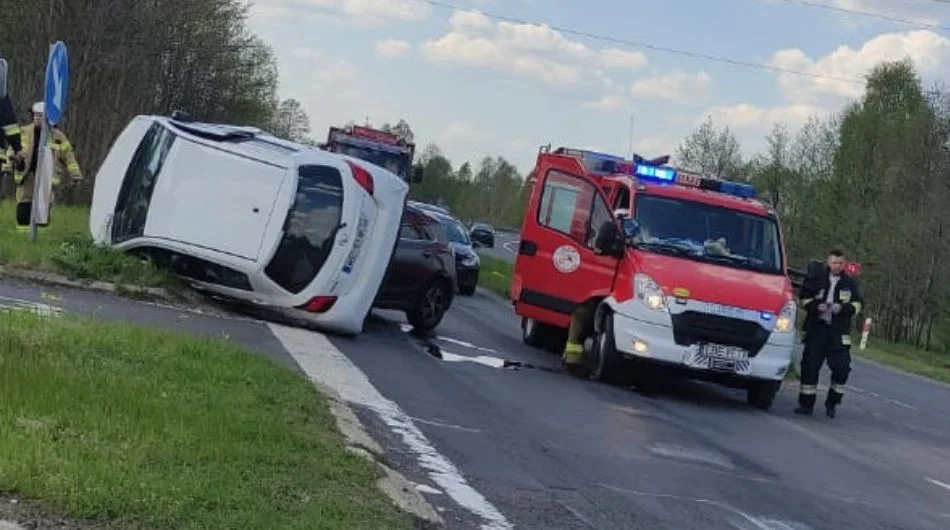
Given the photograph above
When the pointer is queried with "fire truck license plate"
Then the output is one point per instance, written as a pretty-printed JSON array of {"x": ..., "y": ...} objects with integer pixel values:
[{"x": 723, "y": 358}]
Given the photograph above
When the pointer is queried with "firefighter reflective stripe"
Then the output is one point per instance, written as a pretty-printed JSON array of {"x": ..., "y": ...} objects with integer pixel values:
[
  {"x": 808, "y": 390},
  {"x": 857, "y": 307},
  {"x": 73, "y": 167},
  {"x": 846, "y": 340},
  {"x": 835, "y": 387},
  {"x": 12, "y": 129},
  {"x": 574, "y": 353},
  {"x": 805, "y": 301}
]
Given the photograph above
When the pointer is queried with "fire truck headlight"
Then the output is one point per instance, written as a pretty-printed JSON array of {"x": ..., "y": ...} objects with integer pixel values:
[
  {"x": 785, "y": 322},
  {"x": 648, "y": 292}
]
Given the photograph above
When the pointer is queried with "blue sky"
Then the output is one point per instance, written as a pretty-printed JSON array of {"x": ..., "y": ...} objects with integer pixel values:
[{"x": 479, "y": 86}]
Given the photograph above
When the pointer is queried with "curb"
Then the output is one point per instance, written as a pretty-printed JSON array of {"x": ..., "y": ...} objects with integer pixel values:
[
  {"x": 393, "y": 484},
  {"x": 130, "y": 292}
]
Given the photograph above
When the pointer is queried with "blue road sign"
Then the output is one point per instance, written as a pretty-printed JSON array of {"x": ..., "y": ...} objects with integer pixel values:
[{"x": 57, "y": 83}]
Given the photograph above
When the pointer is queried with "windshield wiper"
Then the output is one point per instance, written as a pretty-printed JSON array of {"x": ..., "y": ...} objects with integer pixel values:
[{"x": 728, "y": 258}]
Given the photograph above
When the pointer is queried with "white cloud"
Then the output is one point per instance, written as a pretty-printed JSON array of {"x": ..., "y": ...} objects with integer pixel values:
[
  {"x": 921, "y": 12},
  {"x": 392, "y": 48},
  {"x": 372, "y": 11},
  {"x": 680, "y": 87},
  {"x": 533, "y": 50},
  {"x": 622, "y": 60},
  {"x": 613, "y": 101},
  {"x": 654, "y": 146},
  {"x": 929, "y": 51},
  {"x": 754, "y": 119},
  {"x": 464, "y": 132}
]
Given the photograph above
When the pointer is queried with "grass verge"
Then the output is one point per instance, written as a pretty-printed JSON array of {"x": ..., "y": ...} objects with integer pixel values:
[
  {"x": 495, "y": 275},
  {"x": 149, "y": 429},
  {"x": 931, "y": 364},
  {"x": 66, "y": 248}
]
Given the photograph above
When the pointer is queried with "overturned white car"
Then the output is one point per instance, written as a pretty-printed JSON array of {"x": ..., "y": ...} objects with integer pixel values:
[{"x": 251, "y": 217}]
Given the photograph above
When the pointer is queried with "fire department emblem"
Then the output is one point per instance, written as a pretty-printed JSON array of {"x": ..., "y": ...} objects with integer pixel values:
[{"x": 567, "y": 259}]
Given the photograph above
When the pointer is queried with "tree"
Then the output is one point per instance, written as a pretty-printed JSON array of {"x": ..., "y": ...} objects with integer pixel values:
[
  {"x": 291, "y": 122},
  {"x": 401, "y": 129},
  {"x": 711, "y": 151}
]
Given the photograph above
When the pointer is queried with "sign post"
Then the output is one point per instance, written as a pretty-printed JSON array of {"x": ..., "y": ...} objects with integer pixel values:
[{"x": 57, "y": 85}]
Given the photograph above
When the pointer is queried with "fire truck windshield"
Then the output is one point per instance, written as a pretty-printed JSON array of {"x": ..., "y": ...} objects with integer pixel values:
[
  {"x": 707, "y": 233},
  {"x": 395, "y": 162}
]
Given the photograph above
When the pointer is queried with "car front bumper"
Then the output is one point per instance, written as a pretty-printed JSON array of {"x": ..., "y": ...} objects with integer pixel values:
[{"x": 642, "y": 338}]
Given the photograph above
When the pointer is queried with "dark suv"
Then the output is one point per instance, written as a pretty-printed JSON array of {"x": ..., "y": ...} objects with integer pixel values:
[
  {"x": 483, "y": 234},
  {"x": 467, "y": 263},
  {"x": 421, "y": 277}
]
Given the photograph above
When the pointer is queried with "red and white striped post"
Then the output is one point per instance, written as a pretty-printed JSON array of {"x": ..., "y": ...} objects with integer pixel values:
[{"x": 865, "y": 331}]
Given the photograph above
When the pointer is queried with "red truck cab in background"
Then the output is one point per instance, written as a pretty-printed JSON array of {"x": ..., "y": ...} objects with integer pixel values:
[
  {"x": 381, "y": 148},
  {"x": 670, "y": 269}
]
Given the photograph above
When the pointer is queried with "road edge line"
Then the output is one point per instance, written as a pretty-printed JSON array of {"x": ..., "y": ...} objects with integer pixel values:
[
  {"x": 326, "y": 366},
  {"x": 358, "y": 441}
]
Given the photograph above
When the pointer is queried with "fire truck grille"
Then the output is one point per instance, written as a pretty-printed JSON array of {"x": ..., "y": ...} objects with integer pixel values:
[{"x": 691, "y": 327}]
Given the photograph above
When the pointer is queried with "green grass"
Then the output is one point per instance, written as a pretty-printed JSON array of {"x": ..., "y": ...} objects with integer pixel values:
[
  {"x": 66, "y": 248},
  {"x": 932, "y": 364},
  {"x": 495, "y": 275},
  {"x": 148, "y": 429}
]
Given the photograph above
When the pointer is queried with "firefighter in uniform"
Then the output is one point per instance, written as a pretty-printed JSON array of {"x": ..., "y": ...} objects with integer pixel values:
[
  {"x": 10, "y": 143},
  {"x": 64, "y": 163},
  {"x": 830, "y": 303}
]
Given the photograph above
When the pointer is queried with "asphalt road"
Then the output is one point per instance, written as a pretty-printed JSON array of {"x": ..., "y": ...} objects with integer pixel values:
[
  {"x": 506, "y": 246},
  {"x": 495, "y": 447}
]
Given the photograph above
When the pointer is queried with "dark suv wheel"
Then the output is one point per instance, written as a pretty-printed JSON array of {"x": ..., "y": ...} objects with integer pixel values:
[{"x": 430, "y": 306}]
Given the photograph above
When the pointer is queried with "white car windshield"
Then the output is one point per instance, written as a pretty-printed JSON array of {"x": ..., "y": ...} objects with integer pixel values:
[{"x": 707, "y": 233}]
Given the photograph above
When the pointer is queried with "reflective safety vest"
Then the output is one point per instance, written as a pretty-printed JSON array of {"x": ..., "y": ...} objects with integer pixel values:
[{"x": 64, "y": 159}]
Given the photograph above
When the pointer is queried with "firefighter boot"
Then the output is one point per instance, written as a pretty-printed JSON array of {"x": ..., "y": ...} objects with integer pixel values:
[
  {"x": 573, "y": 357},
  {"x": 835, "y": 395},
  {"x": 806, "y": 399}
]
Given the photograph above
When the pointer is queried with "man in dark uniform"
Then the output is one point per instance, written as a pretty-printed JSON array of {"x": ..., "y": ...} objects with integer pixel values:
[
  {"x": 830, "y": 300},
  {"x": 9, "y": 128}
]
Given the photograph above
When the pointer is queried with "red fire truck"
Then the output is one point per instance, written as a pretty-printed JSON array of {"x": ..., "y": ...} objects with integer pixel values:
[
  {"x": 668, "y": 268},
  {"x": 377, "y": 147}
]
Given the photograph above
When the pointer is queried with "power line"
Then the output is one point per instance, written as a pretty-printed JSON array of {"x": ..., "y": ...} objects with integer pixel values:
[
  {"x": 879, "y": 16},
  {"x": 650, "y": 46}
]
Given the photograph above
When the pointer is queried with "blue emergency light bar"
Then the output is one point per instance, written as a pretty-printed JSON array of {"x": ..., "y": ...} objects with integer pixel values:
[
  {"x": 664, "y": 174},
  {"x": 668, "y": 175}
]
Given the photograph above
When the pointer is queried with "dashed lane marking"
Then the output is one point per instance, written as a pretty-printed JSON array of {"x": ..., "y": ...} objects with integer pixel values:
[{"x": 935, "y": 482}]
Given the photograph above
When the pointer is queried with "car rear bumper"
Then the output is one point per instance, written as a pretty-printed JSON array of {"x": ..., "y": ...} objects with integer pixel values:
[{"x": 657, "y": 345}]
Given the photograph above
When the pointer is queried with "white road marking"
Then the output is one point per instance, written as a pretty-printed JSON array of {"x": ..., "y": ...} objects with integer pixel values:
[
  {"x": 464, "y": 344},
  {"x": 755, "y": 522},
  {"x": 17, "y": 304},
  {"x": 443, "y": 424},
  {"x": 507, "y": 246},
  {"x": 938, "y": 483},
  {"x": 889, "y": 400},
  {"x": 577, "y": 514},
  {"x": 323, "y": 362},
  {"x": 487, "y": 360},
  {"x": 423, "y": 488}
]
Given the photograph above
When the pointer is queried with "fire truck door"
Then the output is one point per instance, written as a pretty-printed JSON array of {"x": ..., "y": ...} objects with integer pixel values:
[{"x": 557, "y": 265}]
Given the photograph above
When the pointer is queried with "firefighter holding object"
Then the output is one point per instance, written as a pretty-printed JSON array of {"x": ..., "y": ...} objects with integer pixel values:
[
  {"x": 831, "y": 301},
  {"x": 64, "y": 160}
]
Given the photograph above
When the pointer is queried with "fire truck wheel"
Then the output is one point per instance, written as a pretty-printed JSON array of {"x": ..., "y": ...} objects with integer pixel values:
[
  {"x": 544, "y": 336},
  {"x": 761, "y": 394},
  {"x": 606, "y": 364}
]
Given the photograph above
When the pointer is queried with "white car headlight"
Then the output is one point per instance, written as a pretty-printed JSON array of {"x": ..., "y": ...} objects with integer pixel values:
[
  {"x": 785, "y": 322},
  {"x": 648, "y": 292},
  {"x": 470, "y": 261}
]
